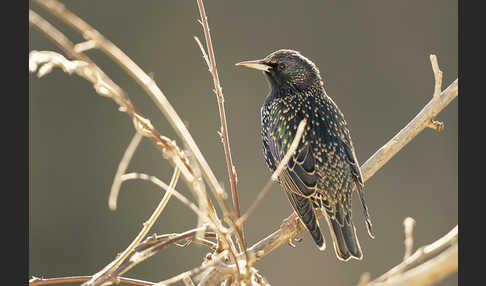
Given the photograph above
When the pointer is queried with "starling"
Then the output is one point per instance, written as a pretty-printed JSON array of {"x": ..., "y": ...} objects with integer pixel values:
[{"x": 323, "y": 172}]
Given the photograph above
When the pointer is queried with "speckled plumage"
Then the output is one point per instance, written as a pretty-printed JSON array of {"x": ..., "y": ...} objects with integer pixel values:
[{"x": 324, "y": 170}]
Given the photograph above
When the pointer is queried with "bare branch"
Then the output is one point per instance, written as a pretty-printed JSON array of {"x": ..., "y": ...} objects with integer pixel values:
[
  {"x": 156, "y": 181},
  {"x": 427, "y": 273},
  {"x": 162, "y": 103},
  {"x": 437, "y": 75},
  {"x": 421, "y": 254},
  {"x": 36, "y": 281},
  {"x": 215, "y": 259},
  {"x": 155, "y": 244},
  {"x": 105, "y": 275},
  {"x": 147, "y": 83},
  {"x": 122, "y": 167},
  {"x": 412, "y": 129},
  {"x": 56, "y": 36},
  {"x": 188, "y": 281},
  {"x": 219, "y": 94},
  {"x": 408, "y": 224}
]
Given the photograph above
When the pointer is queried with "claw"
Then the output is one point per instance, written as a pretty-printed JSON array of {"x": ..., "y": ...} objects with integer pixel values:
[{"x": 291, "y": 244}]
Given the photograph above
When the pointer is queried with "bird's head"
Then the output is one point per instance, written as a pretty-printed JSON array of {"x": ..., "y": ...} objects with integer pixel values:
[{"x": 287, "y": 68}]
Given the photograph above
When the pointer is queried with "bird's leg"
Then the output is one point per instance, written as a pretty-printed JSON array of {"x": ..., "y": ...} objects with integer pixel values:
[{"x": 292, "y": 219}]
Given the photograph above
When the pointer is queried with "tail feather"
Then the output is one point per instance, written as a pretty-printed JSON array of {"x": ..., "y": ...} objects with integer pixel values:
[{"x": 346, "y": 244}]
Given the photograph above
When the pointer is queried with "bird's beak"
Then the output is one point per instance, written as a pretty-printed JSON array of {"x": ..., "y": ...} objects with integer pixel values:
[{"x": 258, "y": 64}]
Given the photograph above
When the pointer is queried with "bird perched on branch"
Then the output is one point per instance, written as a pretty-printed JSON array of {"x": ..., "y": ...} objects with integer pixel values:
[{"x": 323, "y": 172}]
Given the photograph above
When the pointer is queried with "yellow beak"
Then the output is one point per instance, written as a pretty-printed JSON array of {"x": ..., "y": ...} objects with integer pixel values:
[{"x": 258, "y": 65}]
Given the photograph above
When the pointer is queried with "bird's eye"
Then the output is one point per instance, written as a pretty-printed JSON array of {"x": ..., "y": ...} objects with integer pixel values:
[{"x": 282, "y": 66}]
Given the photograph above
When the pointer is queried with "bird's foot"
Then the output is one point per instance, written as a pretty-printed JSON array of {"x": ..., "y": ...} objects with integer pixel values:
[{"x": 292, "y": 219}]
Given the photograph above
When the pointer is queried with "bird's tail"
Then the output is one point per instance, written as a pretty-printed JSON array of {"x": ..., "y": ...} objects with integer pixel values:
[{"x": 346, "y": 244}]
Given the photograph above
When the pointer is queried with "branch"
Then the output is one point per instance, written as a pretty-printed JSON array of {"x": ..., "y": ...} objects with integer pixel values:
[
  {"x": 427, "y": 273},
  {"x": 408, "y": 224},
  {"x": 104, "y": 86},
  {"x": 421, "y": 254},
  {"x": 36, "y": 281},
  {"x": 219, "y": 95},
  {"x": 122, "y": 167},
  {"x": 144, "y": 80},
  {"x": 143, "y": 126},
  {"x": 105, "y": 276},
  {"x": 147, "y": 83},
  {"x": 412, "y": 129}
]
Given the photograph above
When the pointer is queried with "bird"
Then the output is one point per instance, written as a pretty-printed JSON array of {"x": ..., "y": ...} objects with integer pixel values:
[{"x": 323, "y": 172}]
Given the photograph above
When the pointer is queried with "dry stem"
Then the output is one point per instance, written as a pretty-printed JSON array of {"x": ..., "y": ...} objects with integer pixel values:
[
  {"x": 421, "y": 254},
  {"x": 427, "y": 273},
  {"x": 145, "y": 81},
  {"x": 89, "y": 33},
  {"x": 219, "y": 95},
  {"x": 412, "y": 129},
  {"x": 36, "y": 281},
  {"x": 105, "y": 275},
  {"x": 122, "y": 167},
  {"x": 408, "y": 224}
]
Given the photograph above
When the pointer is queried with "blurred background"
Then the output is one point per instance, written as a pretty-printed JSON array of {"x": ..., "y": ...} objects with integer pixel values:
[{"x": 374, "y": 60}]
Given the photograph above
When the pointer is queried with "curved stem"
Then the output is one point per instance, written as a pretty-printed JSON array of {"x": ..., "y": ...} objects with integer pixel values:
[{"x": 75, "y": 279}]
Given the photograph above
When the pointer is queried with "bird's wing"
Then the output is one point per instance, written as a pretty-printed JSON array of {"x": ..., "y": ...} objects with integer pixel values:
[
  {"x": 353, "y": 162},
  {"x": 299, "y": 178},
  {"x": 344, "y": 141},
  {"x": 300, "y": 174}
]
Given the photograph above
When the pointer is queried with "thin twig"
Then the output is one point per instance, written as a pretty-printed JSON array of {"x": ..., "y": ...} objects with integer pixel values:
[
  {"x": 85, "y": 46},
  {"x": 36, "y": 281},
  {"x": 224, "y": 134},
  {"x": 104, "y": 276},
  {"x": 156, "y": 181},
  {"x": 122, "y": 167},
  {"x": 215, "y": 260},
  {"x": 428, "y": 273},
  {"x": 224, "y": 234},
  {"x": 145, "y": 81},
  {"x": 103, "y": 85},
  {"x": 274, "y": 177},
  {"x": 188, "y": 281},
  {"x": 151, "y": 246},
  {"x": 408, "y": 224},
  {"x": 162, "y": 103},
  {"x": 219, "y": 94},
  {"x": 163, "y": 238},
  {"x": 421, "y": 254},
  {"x": 414, "y": 127},
  {"x": 437, "y": 75}
]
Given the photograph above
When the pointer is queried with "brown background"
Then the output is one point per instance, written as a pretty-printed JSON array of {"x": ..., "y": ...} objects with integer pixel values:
[{"x": 374, "y": 59}]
